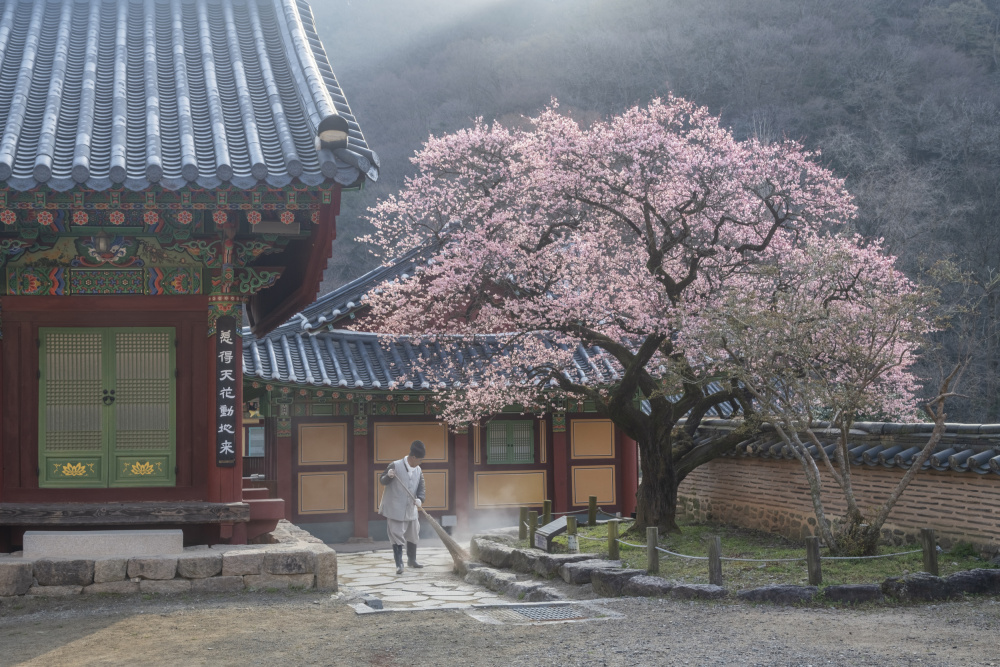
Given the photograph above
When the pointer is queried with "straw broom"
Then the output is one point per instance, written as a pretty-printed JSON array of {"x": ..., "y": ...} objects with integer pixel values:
[{"x": 458, "y": 554}]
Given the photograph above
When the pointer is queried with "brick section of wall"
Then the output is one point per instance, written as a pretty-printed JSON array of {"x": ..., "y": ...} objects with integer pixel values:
[{"x": 772, "y": 495}]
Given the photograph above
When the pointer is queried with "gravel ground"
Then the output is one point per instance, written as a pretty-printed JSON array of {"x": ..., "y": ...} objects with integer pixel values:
[{"x": 313, "y": 628}]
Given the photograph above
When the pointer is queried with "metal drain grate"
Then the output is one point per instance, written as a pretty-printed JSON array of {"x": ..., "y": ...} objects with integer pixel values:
[
  {"x": 551, "y": 613},
  {"x": 515, "y": 614}
]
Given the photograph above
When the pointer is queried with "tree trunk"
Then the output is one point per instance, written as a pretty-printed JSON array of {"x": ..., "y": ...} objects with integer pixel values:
[{"x": 656, "y": 500}]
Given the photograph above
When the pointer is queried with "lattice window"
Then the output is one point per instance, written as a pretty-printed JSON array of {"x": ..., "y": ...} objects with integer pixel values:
[
  {"x": 106, "y": 407},
  {"x": 510, "y": 442}
]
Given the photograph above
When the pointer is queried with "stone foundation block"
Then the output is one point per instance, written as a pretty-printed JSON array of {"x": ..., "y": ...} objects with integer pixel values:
[
  {"x": 779, "y": 594},
  {"x": 289, "y": 562},
  {"x": 495, "y": 554},
  {"x": 110, "y": 569},
  {"x": 15, "y": 577},
  {"x": 235, "y": 563},
  {"x": 523, "y": 560},
  {"x": 544, "y": 594},
  {"x": 170, "y": 587},
  {"x": 52, "y": 572},
  {"x": 199, "y": 564},
  {"x": 853, "y": 593},
  {"x": 476, "y": 576},
  {"x": 55, "y": 591},
  {"x": 920, "y": 586},
  {"x": 217, "y": 585},
  {"x": 609, "y": 583},
  {"x": 258, "y": 581},
  {"x": 646, "y": 586},
  {"x": 152, "y": 567},
  {"x": 697, "y": 592},
  {"x": 117, "y": 587},
  {"x": 326, "y": 569},
  {"x": 498, "y": 581},
  {"x": 521, "y": 589},
  {"x": 976, "y": 582},
  {"x": 579, "y": 572},
  {"x": 547, "y": 565}
]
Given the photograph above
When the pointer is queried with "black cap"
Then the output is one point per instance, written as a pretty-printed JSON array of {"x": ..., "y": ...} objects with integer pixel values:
[{"x": 417, "y": 449}]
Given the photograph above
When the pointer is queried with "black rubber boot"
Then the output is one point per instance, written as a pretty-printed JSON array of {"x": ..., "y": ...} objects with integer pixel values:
[
  {"x": 411, "y": 555},
  {"x": 397, "y": 554}
]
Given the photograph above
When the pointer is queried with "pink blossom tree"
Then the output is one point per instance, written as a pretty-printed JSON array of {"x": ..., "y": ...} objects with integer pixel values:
[
  {"x": 829, "y": 331},
  {"x": 624, "y": 236}
]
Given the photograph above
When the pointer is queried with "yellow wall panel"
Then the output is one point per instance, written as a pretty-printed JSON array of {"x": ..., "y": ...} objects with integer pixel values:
[
  {"x": 435, "y": 487},
  {"x": 593, "y": 439},
  {"x": 392, "y": 440},
  {"x": 510, "y": 489},
  {"x": 322, "y": 444},
  {"x": 593, "y": 481},
  {"x": 322, "y": 492}
]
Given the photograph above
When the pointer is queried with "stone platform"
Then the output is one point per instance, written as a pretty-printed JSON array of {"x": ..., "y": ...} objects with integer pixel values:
[{"x": 294, "y": 560}]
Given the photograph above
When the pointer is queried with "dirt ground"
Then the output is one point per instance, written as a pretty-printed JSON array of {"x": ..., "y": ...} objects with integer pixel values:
[{"x": 312, "y": 628}]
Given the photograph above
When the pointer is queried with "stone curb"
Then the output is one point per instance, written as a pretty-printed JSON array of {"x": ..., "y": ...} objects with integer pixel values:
[{"x": 293, "y": 560}]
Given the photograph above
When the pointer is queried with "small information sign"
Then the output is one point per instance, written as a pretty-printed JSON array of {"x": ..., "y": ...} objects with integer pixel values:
[{"x": 544, "y": 534}]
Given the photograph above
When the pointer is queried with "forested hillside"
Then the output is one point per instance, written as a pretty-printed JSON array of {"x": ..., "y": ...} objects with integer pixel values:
[{"x": 901, "y": 97}]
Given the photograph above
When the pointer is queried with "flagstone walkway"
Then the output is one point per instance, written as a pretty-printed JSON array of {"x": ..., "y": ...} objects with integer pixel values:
[{"x": 374, "y": 573}]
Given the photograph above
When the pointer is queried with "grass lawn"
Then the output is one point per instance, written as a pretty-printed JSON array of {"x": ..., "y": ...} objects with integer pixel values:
[{"x": 743, "y": 543}]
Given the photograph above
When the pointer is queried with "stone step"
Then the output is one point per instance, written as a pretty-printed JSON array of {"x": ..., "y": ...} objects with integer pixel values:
[{"x": 99, "y": 543}]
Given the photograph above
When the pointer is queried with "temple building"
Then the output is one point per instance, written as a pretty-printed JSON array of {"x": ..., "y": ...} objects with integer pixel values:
[
  {"x": 327, "y": 409},
  {"x": 165, "y": 167}
]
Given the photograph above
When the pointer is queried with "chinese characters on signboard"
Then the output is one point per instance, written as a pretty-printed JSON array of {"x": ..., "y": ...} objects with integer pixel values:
[{"x": 226, "y": 358}]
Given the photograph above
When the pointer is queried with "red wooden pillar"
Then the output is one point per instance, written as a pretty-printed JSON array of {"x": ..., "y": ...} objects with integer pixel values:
[
  {"x": 560, "y": 465},
  {"x": 462, "y": 474},
  {"x": 363, "y": 492},
  {"x": 225, "y": 485},
  {"x": 630, "y": 472},
  {"x": 283, "y": 462}
]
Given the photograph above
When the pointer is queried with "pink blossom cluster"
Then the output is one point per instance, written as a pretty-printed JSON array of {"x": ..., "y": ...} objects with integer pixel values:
[{"x": 656, "y": 226}]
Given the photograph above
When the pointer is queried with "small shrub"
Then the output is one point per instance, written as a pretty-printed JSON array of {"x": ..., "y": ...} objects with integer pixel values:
[{"x": 963, "y": 550}]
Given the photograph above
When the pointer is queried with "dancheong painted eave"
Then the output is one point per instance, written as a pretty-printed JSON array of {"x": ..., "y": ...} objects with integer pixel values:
[{"x": 104, "y": 93}]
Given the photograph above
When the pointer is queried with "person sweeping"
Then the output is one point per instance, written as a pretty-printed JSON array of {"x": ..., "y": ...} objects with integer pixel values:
[{"x": 404, "y": 493}]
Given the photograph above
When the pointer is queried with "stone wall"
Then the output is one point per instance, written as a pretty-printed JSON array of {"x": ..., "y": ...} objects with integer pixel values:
[
  {"x": 291, "y": 561},
  {"x": 772, "y": 495}
]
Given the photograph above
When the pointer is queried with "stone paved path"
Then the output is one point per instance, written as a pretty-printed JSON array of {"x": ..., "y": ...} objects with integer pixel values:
[{"x": 374, "y": 573}]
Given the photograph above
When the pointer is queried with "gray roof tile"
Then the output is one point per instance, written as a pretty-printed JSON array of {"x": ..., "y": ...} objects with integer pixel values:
[
  {"x": 169, "y": 92},
  {"x": 963, "y": 448}
]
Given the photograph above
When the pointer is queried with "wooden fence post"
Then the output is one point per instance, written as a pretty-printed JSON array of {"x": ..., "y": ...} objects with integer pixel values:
[
  {"x": 929, "y": 539},
  {"x": 522, "y": 527},
  {"x": 532, "y": 526},
  {"x": 652, "y": 555},
  {"x": 813, "y": 565},
  {"x": 613, "y": 540},
  {"x": 546, "y": 512},
  {"x": 572, "y": 541},
  {"x": 715, "y": 560},
  {"x": 592, "y": 511}
]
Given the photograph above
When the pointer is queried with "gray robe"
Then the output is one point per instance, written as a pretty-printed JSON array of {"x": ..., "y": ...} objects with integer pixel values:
[{"x": 396, "y": 503}]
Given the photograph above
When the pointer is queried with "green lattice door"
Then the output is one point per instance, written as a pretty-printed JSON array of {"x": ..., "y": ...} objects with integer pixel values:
[
  {"x": 510, "y": 442},
  {"x": 106, "y": 413}
]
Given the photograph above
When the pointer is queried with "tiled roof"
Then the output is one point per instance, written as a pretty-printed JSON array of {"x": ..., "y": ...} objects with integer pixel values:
[
  {"x": 345, "y": 301},
  {"x": 367, "y": 361},
  {"x": 963, "y": 448},
  {"x": 372, "y": 361},
  {"x": 170, "y": 92}
]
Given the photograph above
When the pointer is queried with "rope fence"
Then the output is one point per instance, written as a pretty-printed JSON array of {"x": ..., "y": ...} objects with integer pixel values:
[{"x": 529, "y": 524}]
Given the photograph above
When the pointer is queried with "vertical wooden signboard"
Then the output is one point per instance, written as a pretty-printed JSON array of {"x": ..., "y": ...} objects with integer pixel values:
[{"x": 226, "y": 391}]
